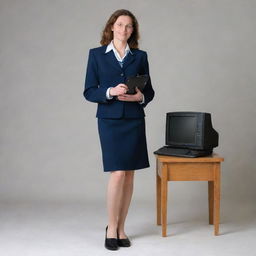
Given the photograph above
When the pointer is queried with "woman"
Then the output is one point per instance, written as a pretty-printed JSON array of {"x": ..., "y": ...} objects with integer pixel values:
[{"x": 121, "y": 123}]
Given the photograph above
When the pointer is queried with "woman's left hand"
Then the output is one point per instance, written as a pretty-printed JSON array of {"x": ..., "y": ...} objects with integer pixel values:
[{"x": 131, "y": 97}]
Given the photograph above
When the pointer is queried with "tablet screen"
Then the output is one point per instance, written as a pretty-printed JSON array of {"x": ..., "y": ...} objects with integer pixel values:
[{"x": 136, "y": 81}]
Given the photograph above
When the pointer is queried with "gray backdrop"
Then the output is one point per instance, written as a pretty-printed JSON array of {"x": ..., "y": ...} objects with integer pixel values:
[{"x": 201, "y": 56}]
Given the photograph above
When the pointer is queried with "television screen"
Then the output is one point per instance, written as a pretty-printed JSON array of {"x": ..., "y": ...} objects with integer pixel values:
[{"x": 182, "y": 129}]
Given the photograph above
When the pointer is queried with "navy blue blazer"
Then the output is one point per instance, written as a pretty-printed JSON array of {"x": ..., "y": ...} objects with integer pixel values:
[{"x": 103, "y": 71}]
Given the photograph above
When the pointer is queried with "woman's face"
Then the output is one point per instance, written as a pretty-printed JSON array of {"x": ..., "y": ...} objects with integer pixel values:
[{"x": 122, "y": 28}]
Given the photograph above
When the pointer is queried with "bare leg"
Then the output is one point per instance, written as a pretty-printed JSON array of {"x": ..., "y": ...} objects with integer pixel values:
[
  {"x": 114, "y": 195},
  {"x": 125, "y": 202}
]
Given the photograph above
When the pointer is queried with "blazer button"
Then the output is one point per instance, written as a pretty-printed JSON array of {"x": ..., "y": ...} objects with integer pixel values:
[{"x": 122, "y": 74}]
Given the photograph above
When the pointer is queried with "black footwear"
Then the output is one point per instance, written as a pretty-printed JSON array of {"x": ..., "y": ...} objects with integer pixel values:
[
  {"x": 110, "y": 243},
  {"x": 124, "y": 242}
]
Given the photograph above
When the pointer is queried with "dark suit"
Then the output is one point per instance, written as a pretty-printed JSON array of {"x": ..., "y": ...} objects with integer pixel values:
[
  {"x": 104, "y": 71},
  {"x": 121, "y": 124}
]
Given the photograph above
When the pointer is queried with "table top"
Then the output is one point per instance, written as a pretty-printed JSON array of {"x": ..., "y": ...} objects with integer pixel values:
[{"x": 175, "y": 159}]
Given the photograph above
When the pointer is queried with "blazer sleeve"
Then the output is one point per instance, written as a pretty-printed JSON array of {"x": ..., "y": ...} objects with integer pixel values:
[
  {"x": 148, "y": 91},
  {"x": 92, "y": 91}
]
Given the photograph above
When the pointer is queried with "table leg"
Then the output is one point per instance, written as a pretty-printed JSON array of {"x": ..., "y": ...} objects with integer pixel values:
[
  {"x": 216, "y": 211},
  {"x": 158, "y": 195},
  {"x": 210, "y": 201},
  {"x": 164, "y": 199}
]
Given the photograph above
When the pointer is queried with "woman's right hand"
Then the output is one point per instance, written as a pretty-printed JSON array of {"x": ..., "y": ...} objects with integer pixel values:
[{"x": 120, "y": 89}]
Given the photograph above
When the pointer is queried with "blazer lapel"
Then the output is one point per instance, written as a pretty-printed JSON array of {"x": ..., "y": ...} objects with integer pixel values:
[
  {"x": 111, "y": 59},
  {"x": 129, "y": 59}
]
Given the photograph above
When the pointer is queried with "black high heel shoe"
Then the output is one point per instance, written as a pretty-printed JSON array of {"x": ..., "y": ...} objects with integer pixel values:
[
  {"x": 123, "y": 242},
  {"x": 110, "y": 243}
]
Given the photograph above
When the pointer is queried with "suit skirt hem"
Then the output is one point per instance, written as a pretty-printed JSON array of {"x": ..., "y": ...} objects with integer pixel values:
[
  {"x": 123, "y": 143},
  {"x": 126, "y": 169}
]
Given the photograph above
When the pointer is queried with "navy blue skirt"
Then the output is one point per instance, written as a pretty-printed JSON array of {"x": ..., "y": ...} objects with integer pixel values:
[{"x": 123, "y": 144}]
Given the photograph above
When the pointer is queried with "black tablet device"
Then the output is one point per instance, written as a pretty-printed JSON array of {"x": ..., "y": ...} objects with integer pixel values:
[{"x": 136, "y": 81}]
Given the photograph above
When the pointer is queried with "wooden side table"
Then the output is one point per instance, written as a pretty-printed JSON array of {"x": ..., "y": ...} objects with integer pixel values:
[{"x": 171, "y": 168}]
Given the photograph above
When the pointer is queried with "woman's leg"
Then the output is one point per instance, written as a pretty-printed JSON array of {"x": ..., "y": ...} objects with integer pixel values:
[
  {"x": 125, "y": 202},
  {"x": 114, "y": 196}
]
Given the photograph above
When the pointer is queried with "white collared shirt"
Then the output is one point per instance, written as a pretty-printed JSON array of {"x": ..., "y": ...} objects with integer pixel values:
[
  {"x": 118, "y": 57},
  {"x": 120, "y": 60}
]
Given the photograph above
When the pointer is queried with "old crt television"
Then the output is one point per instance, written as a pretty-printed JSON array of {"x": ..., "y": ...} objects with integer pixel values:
[{"x": 189, "y": 134}]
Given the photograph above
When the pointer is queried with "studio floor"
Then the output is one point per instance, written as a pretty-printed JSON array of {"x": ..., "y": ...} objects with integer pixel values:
[{"x": 78, "y": 229}]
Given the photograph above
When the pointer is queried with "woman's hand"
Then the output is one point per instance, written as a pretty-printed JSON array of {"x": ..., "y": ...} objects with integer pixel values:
[
  {"x": 131, "y": 97},
  {"x": 120, "y": 89}
]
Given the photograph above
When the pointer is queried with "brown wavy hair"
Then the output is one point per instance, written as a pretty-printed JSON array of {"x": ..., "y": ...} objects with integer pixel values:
[{"x": 107, "y": 33}]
